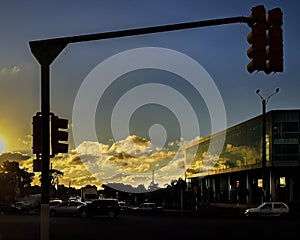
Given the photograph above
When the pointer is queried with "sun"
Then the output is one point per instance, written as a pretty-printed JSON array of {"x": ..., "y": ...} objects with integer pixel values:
[{"x": 2, "y": 146}]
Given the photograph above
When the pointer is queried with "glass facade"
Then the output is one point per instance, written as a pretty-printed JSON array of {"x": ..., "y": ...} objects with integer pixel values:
[{"x": 242, "y": 147}]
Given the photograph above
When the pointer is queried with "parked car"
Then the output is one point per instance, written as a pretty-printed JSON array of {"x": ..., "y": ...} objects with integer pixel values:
[
  {"x": 23, "y": 206},
  {"x": 268, "y": 209},
  {"x": 12, "y": 209},
  {"x": 54, "y": 202},
  {"x": 124, "y": 207},
  {"x": 101, "y": 207},
  {"x": 147, "y": 208},
  {"x": 69, "y": 208}
]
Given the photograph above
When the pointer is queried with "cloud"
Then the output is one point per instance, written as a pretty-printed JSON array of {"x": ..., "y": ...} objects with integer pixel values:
[
  {"x": 13, "y": 156},
  {"x": 6, "y": 71},
  {"x": 131, "y": 161},
  {"x": 128, "y": 161}
]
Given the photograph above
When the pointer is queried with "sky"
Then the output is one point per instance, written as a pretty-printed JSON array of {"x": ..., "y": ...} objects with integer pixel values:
[{"x": 133, "y": 103}]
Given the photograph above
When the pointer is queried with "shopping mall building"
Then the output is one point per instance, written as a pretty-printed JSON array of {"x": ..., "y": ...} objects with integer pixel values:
[{"x": 233, "y": 172}]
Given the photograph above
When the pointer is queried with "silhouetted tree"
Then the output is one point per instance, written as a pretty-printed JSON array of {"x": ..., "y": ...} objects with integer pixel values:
[
  {"x": 54, "y": 176},
  {"x": 14, "y": 179},
  {"x": 174, "y": 192}
]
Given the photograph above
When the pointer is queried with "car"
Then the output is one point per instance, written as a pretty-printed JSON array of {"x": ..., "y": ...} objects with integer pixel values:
[
  {"x": 66, "y": 208},
  {"x": 25, "y": 207},
  {"x": 147, "y": 208},
  {"x": 101, "y": 207},
  {"x": 54, "y": 202},
  {"x": 124, "y": 207},
  {"x": 268, "y": 209},
  {"x": 12, "y": 209}
]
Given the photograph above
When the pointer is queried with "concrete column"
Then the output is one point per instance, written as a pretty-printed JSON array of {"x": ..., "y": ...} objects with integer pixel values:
[
  {"x": 272, "y": 186},
  {"x": 229, "y": 187},
  {"x": 248, "y": 186}
]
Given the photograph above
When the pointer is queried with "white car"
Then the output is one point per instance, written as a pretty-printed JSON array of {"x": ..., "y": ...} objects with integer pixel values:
[
  {"x": 147, "y": 208},
  {"x": 268, "y": 209},
  {"x": 66, "y": 208}
]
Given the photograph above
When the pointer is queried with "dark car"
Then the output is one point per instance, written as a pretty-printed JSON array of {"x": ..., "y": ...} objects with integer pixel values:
[
  {"x": 124, "y": 207},
  {"x": 12, "y": 209},
  {"x": 101, "y": 207}
]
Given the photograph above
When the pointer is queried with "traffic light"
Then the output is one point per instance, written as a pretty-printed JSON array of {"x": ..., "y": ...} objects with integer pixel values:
[
  {"x": 37, "y": 134},
  {"x": 257, "y": 39},
  {"x": 37, "y": 165},
  {"x": 275, "y": 41},
  {"x": 58, "y": 125}
]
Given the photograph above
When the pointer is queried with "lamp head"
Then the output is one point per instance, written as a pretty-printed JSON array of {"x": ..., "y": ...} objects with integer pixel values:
[
  {"x": 257, "y": 91},
  {"x": 277, "y": 90}
]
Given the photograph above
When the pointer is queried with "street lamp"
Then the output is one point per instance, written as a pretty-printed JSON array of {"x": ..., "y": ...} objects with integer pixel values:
[{"x": 264, "y": 101}]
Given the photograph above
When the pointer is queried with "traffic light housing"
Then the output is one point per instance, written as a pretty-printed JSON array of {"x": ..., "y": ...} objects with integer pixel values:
[
  {"x": 58, "y": 134},
  {"x": 257, "y": 39},
  {"x": 275, "y": 41},
  {"x": 37, "y": 134},
  {"x": 37, "y": 165}
]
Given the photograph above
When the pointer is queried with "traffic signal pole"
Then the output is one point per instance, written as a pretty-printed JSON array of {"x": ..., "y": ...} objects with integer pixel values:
[
  {"x": 45, "y": 56},
  {"x": 45, "y": 181},
  {"x": 46, "y": 51}
]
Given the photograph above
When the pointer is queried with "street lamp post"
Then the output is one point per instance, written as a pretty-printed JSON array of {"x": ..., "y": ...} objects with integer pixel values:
[{"x": 264, "y": 101}]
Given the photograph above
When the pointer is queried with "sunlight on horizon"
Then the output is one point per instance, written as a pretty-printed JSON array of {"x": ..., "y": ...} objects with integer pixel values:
[{"x": 2, "y": 146}]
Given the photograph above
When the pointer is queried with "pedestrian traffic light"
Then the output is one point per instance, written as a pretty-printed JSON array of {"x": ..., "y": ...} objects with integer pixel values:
[
  {"x": 275, "y": 41},
  {"x": 58, "y": 134},
  {"x": 257, "y": 39},
  {"x": 37, "y": 134}
]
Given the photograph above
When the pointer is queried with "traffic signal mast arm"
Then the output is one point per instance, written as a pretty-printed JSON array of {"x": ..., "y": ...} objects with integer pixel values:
[{"x": 54, "y": 46}]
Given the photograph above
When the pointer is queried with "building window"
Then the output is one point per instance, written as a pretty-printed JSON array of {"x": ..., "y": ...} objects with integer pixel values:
[
  {"x": 286, "y": 149},
  {"x": 282, "y": 182}
]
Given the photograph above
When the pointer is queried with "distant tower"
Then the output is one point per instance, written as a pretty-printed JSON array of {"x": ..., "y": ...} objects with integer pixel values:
[
  {"x": 152, "y": 176},
  {"x": 152, "y": 185}
]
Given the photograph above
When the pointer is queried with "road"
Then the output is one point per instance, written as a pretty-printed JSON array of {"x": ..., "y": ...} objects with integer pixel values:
[{"x": 149, "y": 227}]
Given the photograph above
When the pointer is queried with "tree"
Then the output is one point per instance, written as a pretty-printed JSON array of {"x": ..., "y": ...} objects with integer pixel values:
[
  {"x": 55, "y": 175},
  {"x": 14, "y": 179},
  {"x": 175, "y": 190}
]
